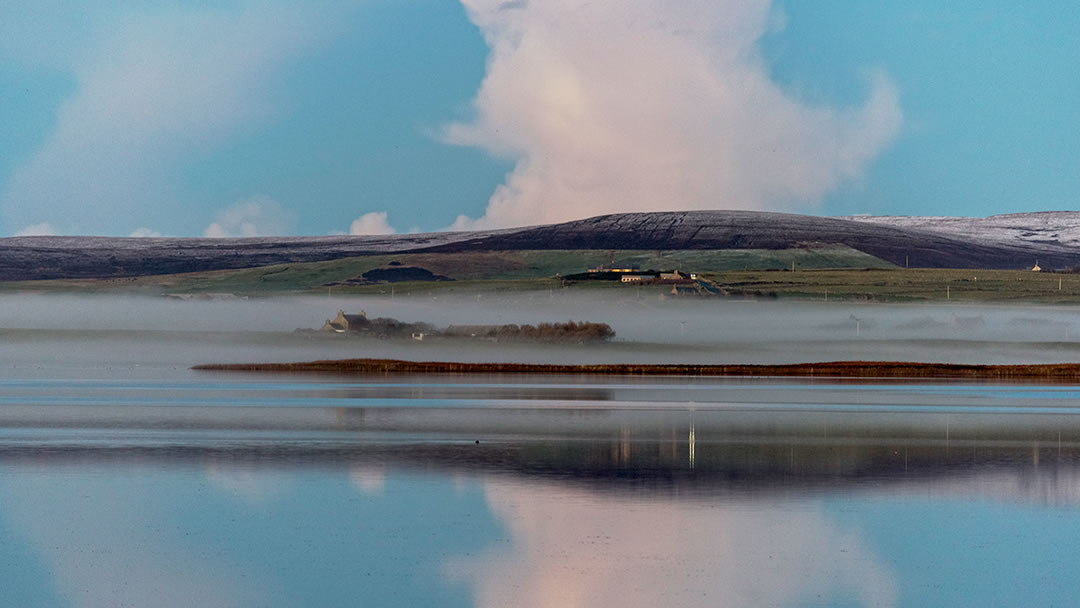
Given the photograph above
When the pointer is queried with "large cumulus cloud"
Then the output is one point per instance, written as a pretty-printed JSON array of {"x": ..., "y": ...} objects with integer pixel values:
[{"x": 637, "y": 105}]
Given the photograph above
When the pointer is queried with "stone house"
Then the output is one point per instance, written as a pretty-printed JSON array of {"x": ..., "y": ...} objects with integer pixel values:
[{"x": 343, "y": 322}]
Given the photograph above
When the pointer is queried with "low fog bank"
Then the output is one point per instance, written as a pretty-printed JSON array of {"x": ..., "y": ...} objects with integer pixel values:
[
  {"x": 669, "y": 321},
  {"x": 89, "y": 332}
]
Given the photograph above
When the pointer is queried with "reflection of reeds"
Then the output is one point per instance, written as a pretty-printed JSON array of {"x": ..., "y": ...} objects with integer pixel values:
[{"x": 834, "y": 369}]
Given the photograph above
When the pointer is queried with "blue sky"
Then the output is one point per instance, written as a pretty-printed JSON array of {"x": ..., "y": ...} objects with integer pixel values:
[{"x": 237, "y": 118}]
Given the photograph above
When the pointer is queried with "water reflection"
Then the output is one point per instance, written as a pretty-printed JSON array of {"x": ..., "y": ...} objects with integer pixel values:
[
  {"x": 110, "y": 539},
  {"x": 703, "y": 504},
  {"x": 117, "y": 533},
  {"x": 571, "y": 547}
]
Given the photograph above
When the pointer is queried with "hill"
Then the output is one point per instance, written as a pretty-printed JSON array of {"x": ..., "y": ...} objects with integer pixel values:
[
  {"x": 1050, "y": 229},
  {"x": 36, "y": 258}
]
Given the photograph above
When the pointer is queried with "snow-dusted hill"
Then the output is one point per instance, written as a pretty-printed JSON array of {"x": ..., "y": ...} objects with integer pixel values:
[
  {"x": 1004, "y": 241},
  {"x": 1051, "y": 228}
]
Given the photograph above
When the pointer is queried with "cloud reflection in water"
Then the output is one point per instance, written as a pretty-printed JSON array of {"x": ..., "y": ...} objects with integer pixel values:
[
  {"x": 115, "y": 540},
  {"x": 572, "y": 547}
]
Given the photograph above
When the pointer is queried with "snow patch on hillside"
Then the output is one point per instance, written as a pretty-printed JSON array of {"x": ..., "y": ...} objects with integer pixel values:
[{"x": 1048, "y": 228}]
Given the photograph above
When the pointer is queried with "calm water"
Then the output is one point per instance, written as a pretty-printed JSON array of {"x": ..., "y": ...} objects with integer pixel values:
[{"x": 170, "y": 488}]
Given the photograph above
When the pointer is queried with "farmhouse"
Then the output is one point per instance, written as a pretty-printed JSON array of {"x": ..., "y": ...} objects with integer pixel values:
[
  {"x": 663, "y": 276},
  {"x": 343, "y": 322},
  {"x": 637, "y": 278}
]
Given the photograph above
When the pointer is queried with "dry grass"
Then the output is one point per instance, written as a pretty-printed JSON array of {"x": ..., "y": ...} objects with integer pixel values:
[{"x": 903, "y": 285}]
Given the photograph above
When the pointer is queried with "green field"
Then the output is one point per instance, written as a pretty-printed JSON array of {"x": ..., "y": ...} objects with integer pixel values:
[
  {"x": 472, "y": 272},
  {"x": 903, "y": 285},
  {"x": 835, "y": 273}
]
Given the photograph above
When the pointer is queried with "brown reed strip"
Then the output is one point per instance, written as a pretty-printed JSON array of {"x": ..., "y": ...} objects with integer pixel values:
[{"x": 833, "y": 369}]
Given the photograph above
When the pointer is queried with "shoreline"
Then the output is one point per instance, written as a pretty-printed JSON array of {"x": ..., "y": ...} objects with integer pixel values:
[{"x": 832, "y": 369}]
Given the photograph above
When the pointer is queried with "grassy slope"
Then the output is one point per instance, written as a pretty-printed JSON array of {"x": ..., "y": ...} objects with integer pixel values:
[
  {"x": 900, "y": 285},
  {"x": 476, "y": 271}
]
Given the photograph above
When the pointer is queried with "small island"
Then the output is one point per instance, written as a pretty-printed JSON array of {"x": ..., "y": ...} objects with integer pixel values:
[{"x": 384, "y": 327}]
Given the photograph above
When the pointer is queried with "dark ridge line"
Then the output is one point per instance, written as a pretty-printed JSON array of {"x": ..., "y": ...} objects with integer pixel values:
[{"x": 833, "y": 369}]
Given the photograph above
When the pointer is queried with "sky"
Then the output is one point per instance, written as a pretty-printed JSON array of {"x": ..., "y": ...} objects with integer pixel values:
[{"x": 240, "y": 118}]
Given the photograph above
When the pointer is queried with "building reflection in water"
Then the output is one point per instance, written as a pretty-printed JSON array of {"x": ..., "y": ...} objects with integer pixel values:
[{"x": 692, "y": 440}]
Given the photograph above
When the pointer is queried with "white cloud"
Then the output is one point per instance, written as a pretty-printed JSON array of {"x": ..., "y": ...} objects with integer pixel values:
[
  {"x": 259, "y": 215},
  {"x": 153, "y": 89},
  {"x": 42, "y": 229},
  {"x": 653, "y": 105},
  {"x": 144, "y": 232},
  {"x": 373, "y": 223}
]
